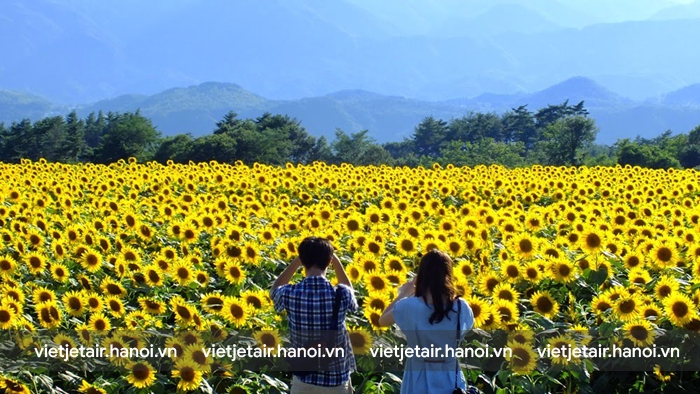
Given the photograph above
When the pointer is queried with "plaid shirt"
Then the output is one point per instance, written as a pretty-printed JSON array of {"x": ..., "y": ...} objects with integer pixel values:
[{"x": 309, "y": 306}]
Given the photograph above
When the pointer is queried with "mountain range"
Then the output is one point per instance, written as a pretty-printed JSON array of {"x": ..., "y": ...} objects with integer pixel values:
[
  {"x": 196, "y": 109},
  {"x": 80, "y": 51}
]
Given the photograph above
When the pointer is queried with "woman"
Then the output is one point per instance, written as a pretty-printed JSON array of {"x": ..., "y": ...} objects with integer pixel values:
[{"x": 430, "y": 318}]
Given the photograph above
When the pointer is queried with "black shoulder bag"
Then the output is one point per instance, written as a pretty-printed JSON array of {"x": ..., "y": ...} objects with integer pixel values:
[{"x": 304, "y": 364}]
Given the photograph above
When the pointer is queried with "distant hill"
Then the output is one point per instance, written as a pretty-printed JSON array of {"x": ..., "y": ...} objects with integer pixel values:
[
  {"x": 681, "y": 11},
  {"x": 196, "y": 109},
  {"x": 15, "y": 106},
  {"x": 81, "y": 51},
  {"x": 689, "y": 96}
]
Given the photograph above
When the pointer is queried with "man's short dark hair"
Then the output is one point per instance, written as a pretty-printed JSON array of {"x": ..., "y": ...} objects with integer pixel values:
[{"x": 315, "y": 252}]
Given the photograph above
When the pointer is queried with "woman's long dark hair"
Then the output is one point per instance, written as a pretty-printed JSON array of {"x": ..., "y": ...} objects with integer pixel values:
[{"x": 435, "y": 278}]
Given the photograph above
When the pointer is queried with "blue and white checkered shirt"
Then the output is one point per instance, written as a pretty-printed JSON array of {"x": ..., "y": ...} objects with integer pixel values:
[{"x": 309, "y": 306}]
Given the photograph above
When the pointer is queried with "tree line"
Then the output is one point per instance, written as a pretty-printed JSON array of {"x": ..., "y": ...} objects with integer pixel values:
[{"x": 561, "y": 134}]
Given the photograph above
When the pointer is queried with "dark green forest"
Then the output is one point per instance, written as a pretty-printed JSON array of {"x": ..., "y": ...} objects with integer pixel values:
[{"x": 562, "y": 134}]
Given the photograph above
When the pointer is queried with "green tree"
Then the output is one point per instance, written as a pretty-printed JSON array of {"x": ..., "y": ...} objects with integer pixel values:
[
  {"x": 636, "y": 153},
  {"x": 95, "y": 128},
  {"x": 219, "y": 147},
  {"x": 178, "y": 149},
  {"x": 519, "y": 125},
  {"x": 48, "y": 139},
  {"x": 566, "y": 139},
  {"x": 485, "y": 151},
  {"x": 429, "y": 136},
  {"x": 689, "y": 155},
  {"x": 128, "y": 134},
  {"x": 297, "y": 143},
  {"x": 357, "y": 148},
  {"x": 74, "y": 147}
]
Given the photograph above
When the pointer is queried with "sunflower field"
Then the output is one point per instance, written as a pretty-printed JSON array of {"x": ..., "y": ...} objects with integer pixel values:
[{"x": 128, "y": 255}]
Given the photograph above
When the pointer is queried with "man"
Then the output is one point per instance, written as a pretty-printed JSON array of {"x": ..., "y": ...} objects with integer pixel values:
[{"x": 309, "y": 306}]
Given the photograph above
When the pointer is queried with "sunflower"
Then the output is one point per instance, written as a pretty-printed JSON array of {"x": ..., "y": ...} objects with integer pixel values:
[
  {"x": 49, "y": 314},
  {"x": 522, "y": 334},
  {"x": 638, "y": 277},
  {"x": 639, "y": 331},
  {"x": 182, "y": 273},
  {"x": 59, "y": 272},
  {"x": 8, "y": 317},
  {"x": 360, "y": 340},
  {"x": 268, "y": 338},
  {"x": 184, "y": 313},
  {"x": 626, "y": 307},
  {"x": 87, "y": 388},
  {"x": 565, "y": 345},
  {"x": 679, "y": 308},
  {"x": 198, "y": 357},
  {"x": 666, "y": 286},
  {"x": 233, "y": 272},
  {"x": 116, "y": 350},
  {"x": 75, "y": 303},
  {"x": 152, "y": 306},
  {"x": 373, "y": 315},
  {"x": 543, "y": 303},
  {"x": 235, "y": 311},
  {"x": 522, "y": 359},
  {"x": 488, "y": 282},
  {"x": 113, "y": 288},
  {"x": 256, "y": 300},
  {"x": 190, "y": 376},
  {"x": 480, "y": 309},
  {"x": 406, "y": 246},
  {"x": 212, "y": 302},
  {"x": 508, "y": 311},
  {"x": 600, "y": 304},
  {"x": 377, "y": 300},
  {"x": 505, "y": 291},
  {"x": 115, "y": 306},
  {"x": 91, "y": 260},
  {"x": 664, "y": 254},
  {"x": 562, "y": 270},
  {"x": 36, "y": 262},
  {"x": 592, "y": 241},
  {"x": 524, "y": 245},
  {"x": 141, "y": 374},
  {"x": 13, "y": 386},
  {"x": 153, "y": 276},
  {"x": 511, "y": 271},
  {"x": 376, "y": 282},
  {"x": 42, "y": 294},
  {"x": 8, "y": 265},
  {"x": 99, "y": 322}
]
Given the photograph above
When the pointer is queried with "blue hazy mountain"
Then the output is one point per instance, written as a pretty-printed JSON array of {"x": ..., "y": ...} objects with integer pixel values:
[
  {"x": 196, "y": 109},
  {"x": 80, "y": 51}
]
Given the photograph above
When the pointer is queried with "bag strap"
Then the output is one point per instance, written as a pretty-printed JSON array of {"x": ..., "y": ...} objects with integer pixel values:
[
  {"x": 336, "y": 309},
  {"x": 459, "y": 312}
]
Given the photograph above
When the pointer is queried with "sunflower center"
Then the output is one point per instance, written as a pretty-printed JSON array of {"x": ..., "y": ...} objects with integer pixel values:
[
  {"x": 627, "y": 306},
  {"x": 184, "y": 312},
  {"x": 564, "y": 270},
  {"x": 114, "y": 289},
  {"x": 378, "y": 283},
  {"x": 75, "y": 304},
  {"x": 407, "y": 245},
  {"x": 236, "y": 311},
  {"x": 268, "y": 340},
  {"x": 5, "y": 316},
  {"x": 512, "y": 271},
  {"x": 664, "y": 254},
  {"x": 187, "y": 374},
  {"x": 593, "y": 241},
  {"x": 521, "y": 357},
  {"x": 141, "y": 372},
  {"x": 639, "y": 333},
  {"x": 525, "y": 245},
  {"x": 357, "y": 340},
  {"x": 680, "y": 309},
  {"x": 544, "y": 304}
]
